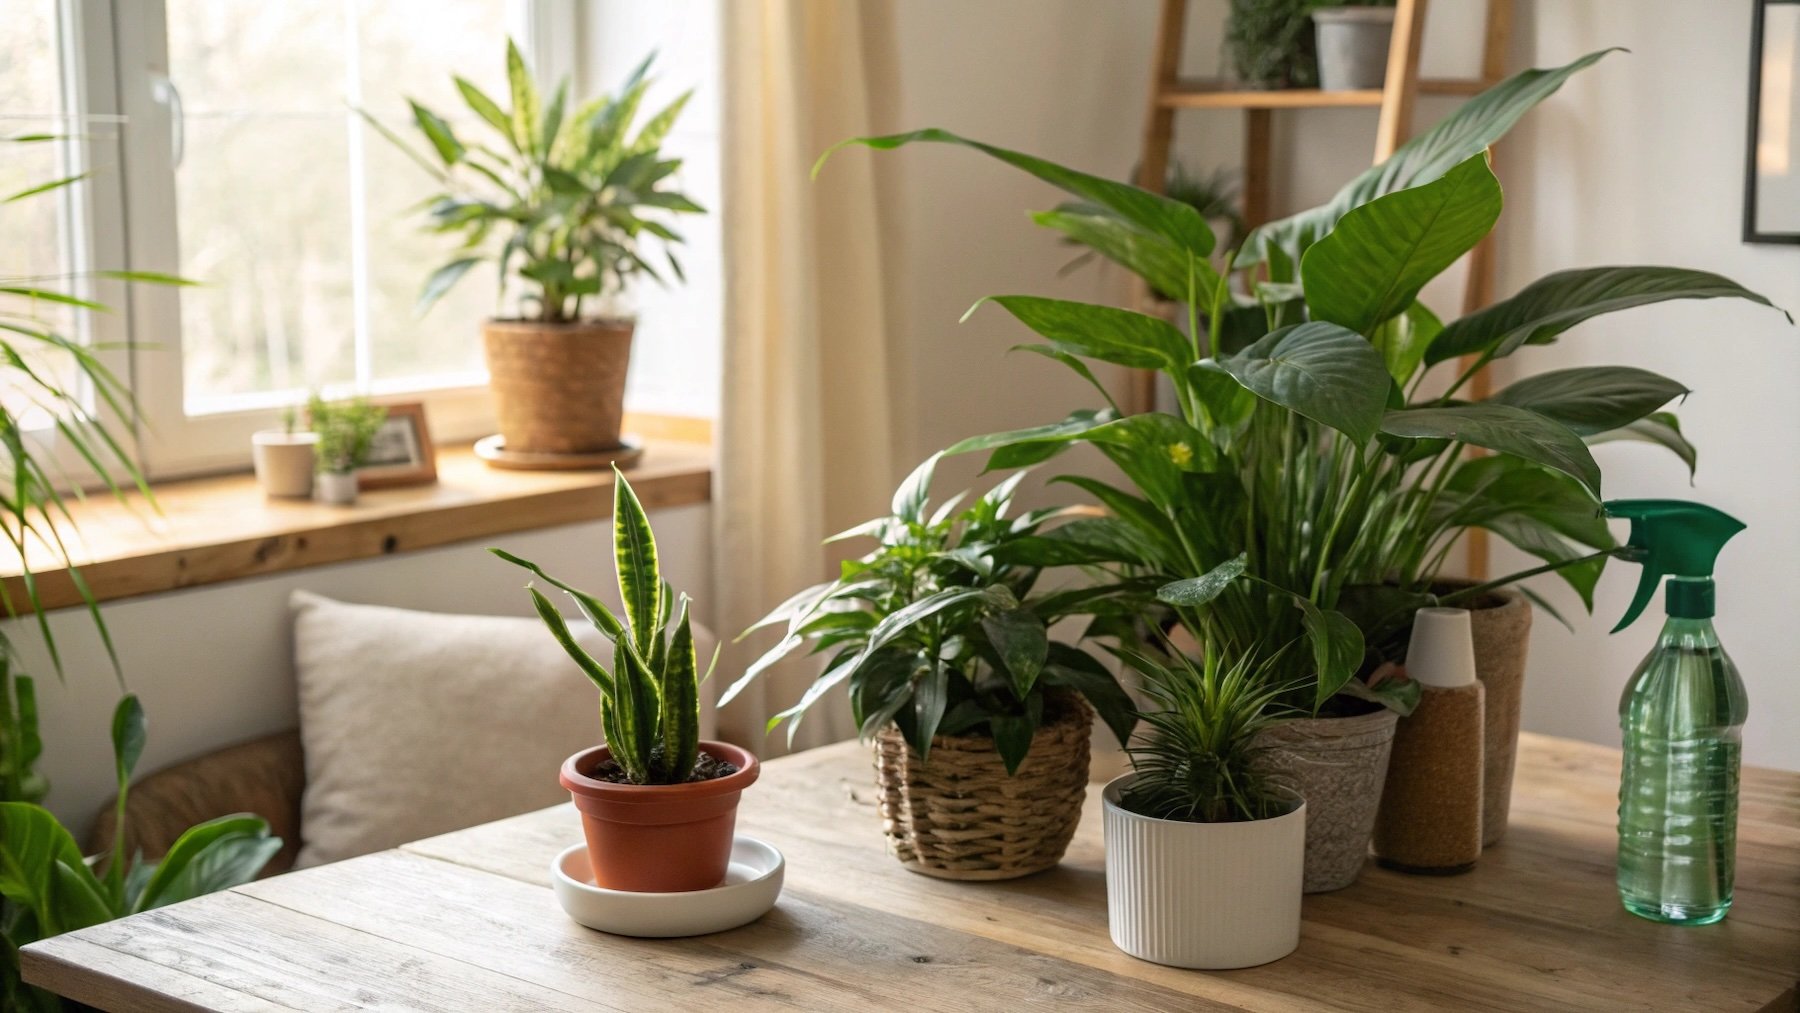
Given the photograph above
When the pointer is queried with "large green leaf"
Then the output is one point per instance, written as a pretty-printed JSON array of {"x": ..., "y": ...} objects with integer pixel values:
[
  {"x": 1172, "y": 220},
  {"x": 634, "y": 549},
  {"x": 1073, "y": 668},
  {"x": 1052, "y": 433},
  {"x": 1403, "y": 339},
  {"x": 1337, "y": 648},
  {"x": 1539, "y": 511},
  {"x": 1503, "y": 428},
  {"x": 1174, "y": 273},
  {"x": 1373, "y": 264},
  {"x": 1323, "y": 371},
  {"x": 1471, "y": 129},
  {"x": 681, "y": 700},
  {"x": 1018, "y": 637},
  {"x": 1554, "y": 303},
  {"x": 1154, "y": 450},
  {"x": 1118, "y": 336},
  {"x": 215, "y": 855},
  {"x": 32, "y": 847},
  {"x": 1660, "y": 428},
  {"x": 1592, "y": 399},
  {"x": 1199, "y": 590}
]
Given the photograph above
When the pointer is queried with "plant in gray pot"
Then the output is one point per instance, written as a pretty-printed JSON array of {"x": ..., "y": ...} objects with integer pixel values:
[
  {"x": 1204, "y": 850},
  {"x": 346, "y": 430},
  {"x": 567, "y": 202},
  {"x": 1353, "y": 37}
]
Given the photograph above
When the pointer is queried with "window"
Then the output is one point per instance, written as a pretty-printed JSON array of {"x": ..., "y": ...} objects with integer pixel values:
[{"x": 230, "y": 152}]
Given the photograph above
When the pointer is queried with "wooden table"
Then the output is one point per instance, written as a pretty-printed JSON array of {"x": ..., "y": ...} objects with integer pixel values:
[{"x": 466, "y": 922}]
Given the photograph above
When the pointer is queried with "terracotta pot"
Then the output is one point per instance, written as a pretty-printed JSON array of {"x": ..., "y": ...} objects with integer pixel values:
[
  {"x": 283, "y": 462},
  {"x": 1204, "y": 895},
  {"x": 1338, "y": 765},
  {"x": 558, "y": 388},
  {"x": 659, "y": 838},
  {"x": 1501, "y": 627}
]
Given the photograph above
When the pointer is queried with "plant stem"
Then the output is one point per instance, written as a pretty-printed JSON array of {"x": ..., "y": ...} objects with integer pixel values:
[{"x": 1513, "y": 578}]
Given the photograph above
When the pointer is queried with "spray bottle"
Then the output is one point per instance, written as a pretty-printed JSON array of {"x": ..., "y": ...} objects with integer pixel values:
[{"x": 1683, "y": 717}]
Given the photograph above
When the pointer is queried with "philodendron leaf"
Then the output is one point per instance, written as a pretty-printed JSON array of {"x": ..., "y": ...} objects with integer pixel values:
[
  {"x": 1160, "y": 216},
  {"x": 1660, "y": 428},
  {"x": 1554, "y": 303},
  {"x": 32, "y": 847},
  {"x": 1118, "y": 336},
  {"x": 634, "y": 551},
  {"x": 1373, "y": 264},
  {"x": 1018, "y": 637},
  {"x": 1471, "y": 129},
  {"x": 1204, "y": 588},
  {"x": 215, "y": 855},
  {"x": 1501, "y": 428},
  {"x": 1592, "y": 399},
  {"x": 1337, "y": 648},
  {"x": 1323, "y": 371}
]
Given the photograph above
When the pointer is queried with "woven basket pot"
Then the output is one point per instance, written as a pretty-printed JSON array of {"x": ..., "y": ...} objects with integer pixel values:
[
  {"x": 1338, "y": 766},
  {"x": 961, "y": 816},
  {"x": 558, "y": 388}
]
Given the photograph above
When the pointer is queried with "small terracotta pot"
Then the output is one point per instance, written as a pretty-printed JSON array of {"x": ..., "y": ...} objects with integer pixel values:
[{"x": 659, "y": 838}]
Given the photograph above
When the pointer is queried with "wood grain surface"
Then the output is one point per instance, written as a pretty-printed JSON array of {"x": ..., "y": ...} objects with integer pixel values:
[{"x": 466, "y": 922}]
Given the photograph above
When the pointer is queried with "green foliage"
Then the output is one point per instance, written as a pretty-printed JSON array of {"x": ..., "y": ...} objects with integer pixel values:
[
  {"x": 1271, "y": 43},
  {"x": 1301, "y": 443},
  {"x": 563, "y": 200},
  {"x": 346, "y": 430},
  {"x": 1197, "y": 759},
  {"x": 939, "y": 631},
  {"x": 48, "y": 888},
  {"x": 650, "y": 699}
]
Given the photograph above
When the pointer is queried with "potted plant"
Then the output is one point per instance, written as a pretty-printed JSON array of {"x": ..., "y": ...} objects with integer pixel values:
[
  {"x": 1306, "y": 440},
  {"x": 284, "y": 458},
  {"x": 344, "y": 432},
  {"x": 658, "y": 805},
  {"x": 1204, "y": 851},
  {"x": 981, "y": 723},
  {"x": 1353, "y": 37},
  {"x": 1270, "y": 43},
  {"x": 566, "y": 202}
]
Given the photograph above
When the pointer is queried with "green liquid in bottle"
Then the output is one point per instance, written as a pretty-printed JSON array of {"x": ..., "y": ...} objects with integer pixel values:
[{"x": 1683, "y": 717}]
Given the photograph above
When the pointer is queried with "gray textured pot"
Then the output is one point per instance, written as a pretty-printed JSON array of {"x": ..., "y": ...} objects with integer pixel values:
[
  {"x": 1353, "y": 46},
  {"x": 1338, "y": 766}
]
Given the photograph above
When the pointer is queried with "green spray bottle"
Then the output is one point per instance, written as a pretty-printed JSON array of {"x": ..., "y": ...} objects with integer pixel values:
[{"x": 1683, "y": 718}]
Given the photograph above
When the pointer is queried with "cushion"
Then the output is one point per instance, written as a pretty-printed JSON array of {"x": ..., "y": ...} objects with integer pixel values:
[{"x": 420, "y": 723}]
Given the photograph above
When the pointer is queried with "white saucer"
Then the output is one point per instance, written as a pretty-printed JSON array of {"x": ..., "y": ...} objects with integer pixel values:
[{"x": 751, "y": 885}]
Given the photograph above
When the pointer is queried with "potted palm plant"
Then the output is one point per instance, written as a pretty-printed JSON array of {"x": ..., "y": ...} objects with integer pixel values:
[
  {"x": 1307, "y": 441},
  {"x": 343, "y": 433},
  {"x": 567, "y": 201},
  {"x": 658, "y": 805},
  {"x": 981, "y": 722},
  {"x": 1204, "y": 851}
]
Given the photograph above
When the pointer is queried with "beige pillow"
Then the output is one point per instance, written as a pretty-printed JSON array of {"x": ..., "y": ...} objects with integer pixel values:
[{"x": 420, "y": 723}]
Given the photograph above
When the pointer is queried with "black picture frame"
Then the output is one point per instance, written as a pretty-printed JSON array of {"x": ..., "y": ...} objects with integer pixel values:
[{"x": 1751, "y": 233}]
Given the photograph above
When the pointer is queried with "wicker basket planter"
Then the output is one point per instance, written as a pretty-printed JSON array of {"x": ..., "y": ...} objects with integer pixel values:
[
  {"x": 960, "y": 816},
  {"x": 558, "y": 388}
]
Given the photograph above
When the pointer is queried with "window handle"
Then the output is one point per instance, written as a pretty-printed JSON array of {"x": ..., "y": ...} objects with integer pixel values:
[{"x": 163, "y": 90}]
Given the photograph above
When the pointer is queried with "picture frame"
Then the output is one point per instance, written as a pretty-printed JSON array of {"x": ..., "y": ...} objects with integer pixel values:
[
  {"x": 1772, "y": 161},
  {"x": 402, "y": 452}
]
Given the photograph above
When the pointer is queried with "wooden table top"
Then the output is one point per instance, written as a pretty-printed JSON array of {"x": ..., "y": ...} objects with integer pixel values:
[{"x": 467, "y": 922}]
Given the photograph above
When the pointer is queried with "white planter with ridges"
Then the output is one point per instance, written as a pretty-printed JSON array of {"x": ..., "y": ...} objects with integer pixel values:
[{"x": 1202, "y": 895}]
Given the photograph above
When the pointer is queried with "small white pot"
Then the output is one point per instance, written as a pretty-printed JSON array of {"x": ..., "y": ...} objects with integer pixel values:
[
  {"x": 337, "y": 487},
  {"x": 1202, "y": 895},
  {"x": 284, "y": 462}
]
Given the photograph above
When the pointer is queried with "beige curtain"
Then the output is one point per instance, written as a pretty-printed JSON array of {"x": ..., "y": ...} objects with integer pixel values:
[{"x": 806, "y": 431}]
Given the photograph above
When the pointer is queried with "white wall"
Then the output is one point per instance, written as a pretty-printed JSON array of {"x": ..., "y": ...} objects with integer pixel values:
[{"x": 213, "y": 665}]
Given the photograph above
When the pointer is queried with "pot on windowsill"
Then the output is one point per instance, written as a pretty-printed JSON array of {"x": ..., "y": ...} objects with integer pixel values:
[
  {"x": 1338, "y": 765},
  {"x": 559, "y": 388},
  {"x": 960, "y": 815},
  {"x": 284, "y": 462},
  {"x": 1202, "y": 895},
  {"x": 338, "y": 488},
  {"x": 659, "y": 838}
]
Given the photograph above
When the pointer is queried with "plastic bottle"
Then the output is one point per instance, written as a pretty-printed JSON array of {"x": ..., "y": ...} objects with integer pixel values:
[{"x": 1682, "y": 715}]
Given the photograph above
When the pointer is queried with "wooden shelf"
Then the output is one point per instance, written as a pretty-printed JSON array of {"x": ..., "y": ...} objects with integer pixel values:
[
  {"x": 218, "y": 529},
  {"x": 1215, "y": 95}
]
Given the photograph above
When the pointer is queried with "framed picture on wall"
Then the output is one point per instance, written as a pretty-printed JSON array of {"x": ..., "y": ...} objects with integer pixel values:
[
  {"x": 401, "y": 453},
  {"x": 1772, "y": 170}
]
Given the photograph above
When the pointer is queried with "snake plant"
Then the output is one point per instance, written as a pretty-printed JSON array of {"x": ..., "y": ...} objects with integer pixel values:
[{"x": 650, "y": 699}]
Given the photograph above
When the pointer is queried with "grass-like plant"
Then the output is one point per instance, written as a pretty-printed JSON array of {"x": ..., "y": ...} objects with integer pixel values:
[
  {"x": 938, "y": 629},
  {"x": 650, "y": 700},
  {"x": 562, "y": 199},
  {"x": 346, "y": 431}
]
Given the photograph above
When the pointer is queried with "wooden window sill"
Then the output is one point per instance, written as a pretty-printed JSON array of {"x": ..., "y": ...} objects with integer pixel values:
[{"x": 218, "y": 529}]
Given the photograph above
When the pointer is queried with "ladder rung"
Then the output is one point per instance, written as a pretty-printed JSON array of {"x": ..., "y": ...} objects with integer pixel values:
[{"x": 1217, "y": 95}]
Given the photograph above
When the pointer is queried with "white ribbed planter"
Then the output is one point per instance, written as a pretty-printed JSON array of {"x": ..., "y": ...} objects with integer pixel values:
[{"x": 1202, "y": 895}]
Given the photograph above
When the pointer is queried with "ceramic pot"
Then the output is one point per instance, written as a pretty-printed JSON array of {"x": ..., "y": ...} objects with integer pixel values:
[
  {"x": 659, "y": 838},
  {"x": 1202, "y": 895},
  {"x": 336, "y": 487},
  {"x": 1338, "y": 765},
  {"x": 284, "y": 462},
  {"x": 1353, "y": 46},
  {"x": 1501, "y": 627},
  {"x": 558, "y": 388}
]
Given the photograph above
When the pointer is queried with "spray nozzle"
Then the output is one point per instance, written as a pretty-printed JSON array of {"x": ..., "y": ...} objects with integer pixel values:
[{"x": 1671, "y": 538}]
